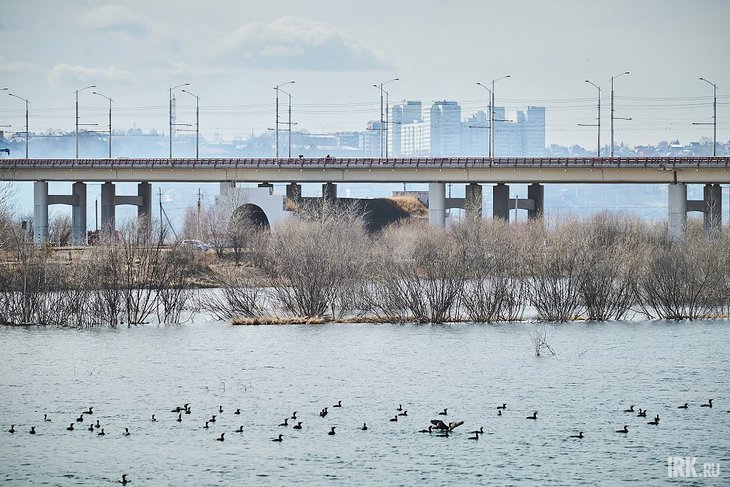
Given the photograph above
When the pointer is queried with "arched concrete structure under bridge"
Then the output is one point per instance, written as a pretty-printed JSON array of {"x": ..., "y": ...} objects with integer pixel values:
[
  {"x": 253, "y": 215},
  {"x": 259, "y": 204}
]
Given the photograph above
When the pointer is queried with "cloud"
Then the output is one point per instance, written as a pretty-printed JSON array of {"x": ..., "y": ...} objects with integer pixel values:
[
  {"x": 115, "y": 18},
  {"x": 295, "y": 43},
  {"x": 65, "y": 74},
  {"x": 15, "y": 67},
  {"x": 186, "y": 71}
]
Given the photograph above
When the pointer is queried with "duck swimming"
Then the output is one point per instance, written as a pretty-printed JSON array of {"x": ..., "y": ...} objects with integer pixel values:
[
  {"x": 298, "y": 426},
  {"x": 153, "y": 418},
  {"x": 101, "y": 433},
  {"x": 708, "y": 405},
  {"x": 12, "y": 429},
  {"x": 332, "y": 431},
  {"x": 221, "y": 438},
  {"x": 625, "y": 430},
  {"x": 124, "y": 480},
  {"x": 285, "y": 423},
  {"x": 630, "y": 410},
  {"x": 338, "y": 405},
  {"x": 534, "y": 416},
  {"x": 364, "y": 427},
  {"x": 480, "y": 431},
  {"x": 126, "y": 432},
  {"x": 429, "y": 430},
  {"x": 503, "y": 406},
  {"x": 32, "y": 430},
  {"x": 70, "y": 428},
  {"x": 394, "y": 419},
  {"x": 404, "y": 413},
  {"x": 239, "y": 430},
  {"x": 46, "y": 418},
  {"x": 579, "y": 435},
  {"x": 443, "y": 413},
  {"x": 238, "y": 411},
  {"x": 685, "y": 406},
  {"x": 279, "y": 439},
  {"x": 89, "y": 411},
  {"x": 642, "y": 413}
]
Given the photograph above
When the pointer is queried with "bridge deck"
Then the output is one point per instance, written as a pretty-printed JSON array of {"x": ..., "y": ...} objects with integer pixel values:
[{"x": 332, "y": 169}]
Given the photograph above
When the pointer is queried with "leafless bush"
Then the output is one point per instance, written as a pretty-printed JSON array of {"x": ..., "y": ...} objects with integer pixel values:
[
  {"x": 539, "y": 342},
  {"x": 316, "y": 260},
  {"x": 687, "y": 279},
  {"x": 59, "y": 230},
  {"x": 615, "y": 251},
  {"x": 237, "y": 296},
  {"x": 494, "y": 288},
  {"x": 556, "y": 270},
  {"x": 420, "y": 274}
]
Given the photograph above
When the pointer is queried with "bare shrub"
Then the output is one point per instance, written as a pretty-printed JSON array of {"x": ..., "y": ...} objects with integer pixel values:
[
  {"x": 615, "y": 251},
  {"x": 494, "y": 288},
  {"x": 315, "y": 261},
  {"x": 686, "y": 279},
  {"x": 556, "y": 270},
  {"x": 238, "y": 295},
  {"x": 539, "y": 342}
]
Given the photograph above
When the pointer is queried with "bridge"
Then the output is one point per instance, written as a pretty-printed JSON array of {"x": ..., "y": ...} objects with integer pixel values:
[{"x": 676, "y": 172}]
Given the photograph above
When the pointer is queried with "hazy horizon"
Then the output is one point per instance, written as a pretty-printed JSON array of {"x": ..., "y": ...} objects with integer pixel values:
[{"x": 233, "y": 53}]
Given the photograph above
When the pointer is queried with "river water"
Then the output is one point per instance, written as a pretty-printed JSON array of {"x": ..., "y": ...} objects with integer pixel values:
[{"x": 270, "y": 371}]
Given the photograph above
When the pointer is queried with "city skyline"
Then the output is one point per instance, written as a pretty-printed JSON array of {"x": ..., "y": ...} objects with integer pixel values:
[{"x": 233, "y": 56}]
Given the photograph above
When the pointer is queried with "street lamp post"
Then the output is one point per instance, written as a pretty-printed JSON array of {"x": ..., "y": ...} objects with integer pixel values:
[
  {"x": 714, "y": 116},
  {"x": 197, "y": 122},
  {"x": 598, "y": 123},
  {"x": 489, "y": 124},
  {"x": 110, "y": 120},
  {"x": 77, "y": 116},
  {"x": 382, "y": 121},
  {"x": 613, "y": 116},
  {"x": 171, "y": 123},
  {"x": 289, "y": 124},
  {"x": 27, "y": 134},
  {"x": 491, "y": 114},
  {"x": 276, "y": 125}
]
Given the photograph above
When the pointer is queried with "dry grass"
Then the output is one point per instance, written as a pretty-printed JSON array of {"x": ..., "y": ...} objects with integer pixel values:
[
  {"x": 276, "y": 320},
  {"x": 410, "y": 205}
]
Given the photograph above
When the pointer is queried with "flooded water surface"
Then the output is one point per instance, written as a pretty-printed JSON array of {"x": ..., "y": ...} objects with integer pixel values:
[{"x": 268, "y": 372}]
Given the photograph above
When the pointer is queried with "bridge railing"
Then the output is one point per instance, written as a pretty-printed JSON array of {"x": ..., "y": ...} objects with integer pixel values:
[{"x": 369, "y": 162}]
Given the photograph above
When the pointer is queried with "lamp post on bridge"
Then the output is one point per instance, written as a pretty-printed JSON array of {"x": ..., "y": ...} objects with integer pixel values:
[
  {"x": 613, "y": 116},
  {"x": 382, "y": 121},
  {"x": 289, "y": 124},
  {"x": 110, "y": 120},
  {"x": 598, "y": 124},
  {"x": 171, "y": 122},
  {"x": 277, "y": 88},
  {"x": 197, "y": 121},
  {"x": 27, "y": 134},
  {"x": 489, "y": 119},
  {"x": 714, "y": 116},
  {"x": 77, "y": 116},
  {"x": 491, "y": 114}
]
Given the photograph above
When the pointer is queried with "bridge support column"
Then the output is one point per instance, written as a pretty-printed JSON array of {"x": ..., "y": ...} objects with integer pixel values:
[
  {"x": 329, "y": 192},
  {"x": 677, "y": 215},
  {"x": 294, "y": 192},
  {"x": 40, "y": 212},
  {"x": 144, "y": 208},
  {"x": 267, "y": 185},
  {"x": 473, "y": 200},
  {"x": 536, "y": 193},
  {"x": 500, "y": 201},
  {"x": 78, "y": 213},
  {"x": 437, "y": 204},
  {"x": 225, "y": 187},
  {"x": 108, "y": 208},
  {"x": 713, "y": 208}
]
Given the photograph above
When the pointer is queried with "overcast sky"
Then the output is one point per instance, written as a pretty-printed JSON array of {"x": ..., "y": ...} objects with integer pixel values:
[{"x": 233, "y": 52}]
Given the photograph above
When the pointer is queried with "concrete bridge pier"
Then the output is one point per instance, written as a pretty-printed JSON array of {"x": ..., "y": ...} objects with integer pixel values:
[
  {"x": 225, "y": 187},
  {"x": 294, "y": 192},
  {"x": 144, "y": 205},
  {"x": 437, "y": 204},
  {"x": 40, "y": 212},
  {"x": 536, "y": 194},
  {"x": 108, "y": 207},
  {"x": 329, "y": 192},
  {"x": 713, "y": 208},
  {"x": 78, "y": 213},
  {"x": 677, "y": 210},
  {"x": 473, "y": 200},
  {"x": 500, "y": 198}
]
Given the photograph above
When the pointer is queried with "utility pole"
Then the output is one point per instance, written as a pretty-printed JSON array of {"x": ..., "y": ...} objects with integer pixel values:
[
  {"x": 276, "y": 124},
  {"x": 613, "y": 116},
  {"x": 27, "y": 133},
  {"x": 110, "y": 120},
  {"x": 77, "y": 116},
  {"x": 598, "y": 124},
  {"x": 382, "y": 119},
  {"x": 714, "y": 116},
  {"x": 197, "y": 122},
  {"x": 197, "y": 228},
  {"x": 170, "y": 113}
]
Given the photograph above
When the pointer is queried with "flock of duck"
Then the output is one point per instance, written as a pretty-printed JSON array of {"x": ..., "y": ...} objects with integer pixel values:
[{"x": 438, "y": 427}]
